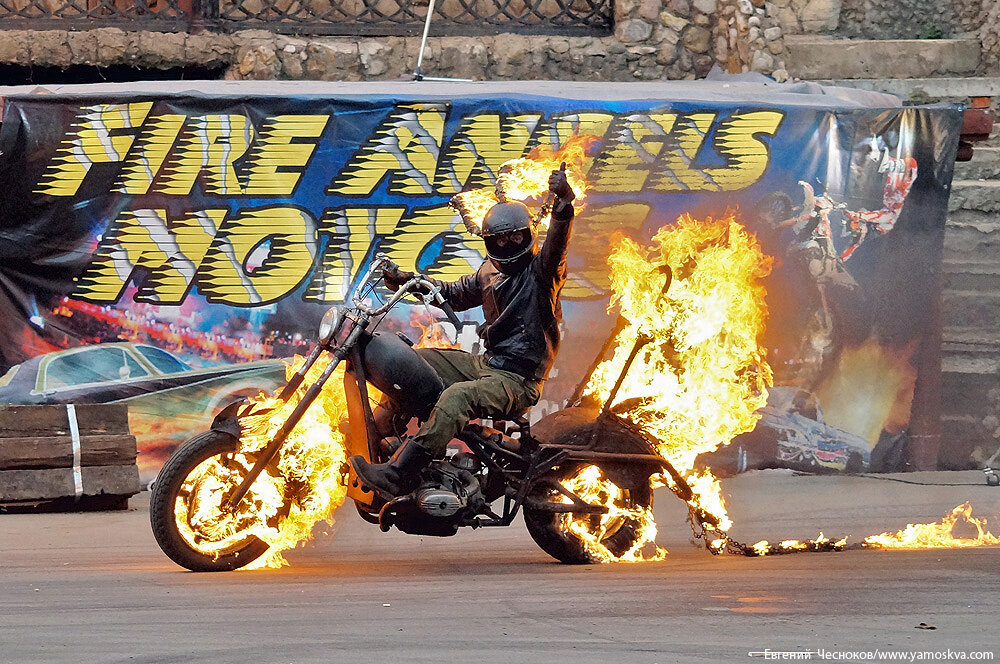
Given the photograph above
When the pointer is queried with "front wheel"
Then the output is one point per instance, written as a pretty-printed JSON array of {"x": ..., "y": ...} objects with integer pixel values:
[{"x": 185, "y": 507}]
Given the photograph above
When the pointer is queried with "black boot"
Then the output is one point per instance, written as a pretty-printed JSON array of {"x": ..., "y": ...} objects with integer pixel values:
[{"x": 397, "y": 476}]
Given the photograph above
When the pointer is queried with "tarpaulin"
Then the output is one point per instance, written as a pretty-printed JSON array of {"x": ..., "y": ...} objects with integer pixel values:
[{"x": 166, "y": 246}]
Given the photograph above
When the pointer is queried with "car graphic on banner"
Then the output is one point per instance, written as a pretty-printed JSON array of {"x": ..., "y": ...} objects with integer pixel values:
[{"x": 168, "y": 400}]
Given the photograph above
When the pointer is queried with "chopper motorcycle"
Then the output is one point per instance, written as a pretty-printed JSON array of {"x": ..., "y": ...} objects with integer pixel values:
[{"x": 528, "y": 466}]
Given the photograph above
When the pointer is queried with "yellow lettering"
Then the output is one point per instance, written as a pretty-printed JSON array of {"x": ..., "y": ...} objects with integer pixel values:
[
  {"x": 633, "y": 146},
  {"x": 557, "y": 130},
  {"x": 737, "y": 140},
  {"x": 406, "y": 145},
  {"x": 148, "y": 153},
  {"x": 276, "y": 164},
  {"x": 479, "y": 147},
  {"x": 103, "y": 135},
  {"x": 352, "y": 232},
  {"x": 169, "y": 250},
  {"x": 677, "y": 169},
  {"x": 259, "y": 256},
  {"x": 211, "y": 148}
]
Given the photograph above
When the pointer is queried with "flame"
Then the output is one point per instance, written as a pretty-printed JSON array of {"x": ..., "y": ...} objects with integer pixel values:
[
  {"x": 697, "y": 385},
  {"x": 473, "y": 205},
  {"x": 527, "y": 180},
  {"x": 432, "y": 331},
  {"x": 693, "y": 388},
  {"x": 821, "y": 543},
  {"x": 590, "y": 484},
  {"x": 936, "y": 535},
  {"x": 305, "y": 486},
  {"x": 870, "y": 389}
]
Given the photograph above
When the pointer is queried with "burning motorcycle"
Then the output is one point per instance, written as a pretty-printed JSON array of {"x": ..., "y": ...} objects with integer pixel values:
[{"x": 581, "y": 476}]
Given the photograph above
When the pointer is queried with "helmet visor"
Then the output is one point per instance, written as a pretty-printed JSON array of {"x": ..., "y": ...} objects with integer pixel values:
[{"x": 509, "y": 245}]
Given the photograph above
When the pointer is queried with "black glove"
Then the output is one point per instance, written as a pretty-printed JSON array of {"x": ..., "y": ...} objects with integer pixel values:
[
  {"x": 559, "y": 186},
  {"x": 394, "y": 277}
]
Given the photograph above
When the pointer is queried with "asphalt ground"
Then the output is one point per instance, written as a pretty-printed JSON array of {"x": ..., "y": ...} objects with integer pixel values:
[{"x": 94, "y": 587}]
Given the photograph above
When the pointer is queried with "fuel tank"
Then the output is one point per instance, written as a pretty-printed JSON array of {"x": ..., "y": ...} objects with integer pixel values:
[{"x": 393, "y": 367}]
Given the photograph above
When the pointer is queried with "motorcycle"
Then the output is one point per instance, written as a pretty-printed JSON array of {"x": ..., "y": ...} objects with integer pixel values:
[{"x": 531, "y": 467}]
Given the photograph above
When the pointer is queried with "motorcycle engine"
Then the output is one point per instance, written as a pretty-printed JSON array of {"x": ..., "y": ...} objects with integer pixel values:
[
  {"x": 449, "y": 495},
  {"x": 449, "y": 488}
]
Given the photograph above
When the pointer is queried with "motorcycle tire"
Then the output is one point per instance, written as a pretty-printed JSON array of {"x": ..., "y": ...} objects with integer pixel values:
[
  {"x": 567, "y": 547},
  {"x": 163, "y": 501},
  {"x": 575, "y": 426}
]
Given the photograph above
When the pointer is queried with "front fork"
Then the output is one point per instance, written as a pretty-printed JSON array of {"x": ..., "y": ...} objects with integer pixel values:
[{"x": 232, "y": 501}]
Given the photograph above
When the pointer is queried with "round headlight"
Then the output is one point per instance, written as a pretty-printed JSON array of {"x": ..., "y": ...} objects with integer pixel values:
[{"x": 327, "y": 326}]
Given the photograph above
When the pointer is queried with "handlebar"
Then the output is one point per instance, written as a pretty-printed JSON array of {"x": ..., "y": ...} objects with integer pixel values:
[
  {"x": 450, "y": 313},
  {"x": 432, "y": 292}
]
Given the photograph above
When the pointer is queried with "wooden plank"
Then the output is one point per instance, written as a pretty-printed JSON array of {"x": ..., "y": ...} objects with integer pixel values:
[
  {"x": 20, "y": 485},
  {"x": 57, "y": 452},
  {"x": 50, "y": 420}
]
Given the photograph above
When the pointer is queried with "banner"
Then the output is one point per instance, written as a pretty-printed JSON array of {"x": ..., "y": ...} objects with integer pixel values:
[{"x": 169, "y": 250}]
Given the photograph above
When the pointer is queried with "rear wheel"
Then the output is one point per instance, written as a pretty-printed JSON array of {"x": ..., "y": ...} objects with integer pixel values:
[
  {"x": 623, "y": 487},
  {"x": 579, "y": 538},
  {"x": 185, "y": 507}
]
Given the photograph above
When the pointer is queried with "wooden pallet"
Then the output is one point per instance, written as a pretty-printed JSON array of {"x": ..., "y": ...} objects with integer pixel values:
[{"x": 67, "y": 455}]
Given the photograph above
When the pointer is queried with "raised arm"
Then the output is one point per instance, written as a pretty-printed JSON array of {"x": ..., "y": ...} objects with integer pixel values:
[{"x": 553, "y": 263}]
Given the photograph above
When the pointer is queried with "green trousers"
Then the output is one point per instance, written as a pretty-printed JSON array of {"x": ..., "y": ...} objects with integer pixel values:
[{"x": 472, "y": 389}]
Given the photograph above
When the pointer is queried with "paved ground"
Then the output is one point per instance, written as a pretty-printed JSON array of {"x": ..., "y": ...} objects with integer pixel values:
[{"x": 94, "y": 588}]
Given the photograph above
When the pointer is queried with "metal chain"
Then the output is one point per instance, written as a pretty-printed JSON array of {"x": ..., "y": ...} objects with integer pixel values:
[{"x": 730, "y": 545}]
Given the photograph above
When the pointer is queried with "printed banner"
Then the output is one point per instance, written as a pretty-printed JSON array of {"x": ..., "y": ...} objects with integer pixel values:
[{"x": 169, "y": 251}]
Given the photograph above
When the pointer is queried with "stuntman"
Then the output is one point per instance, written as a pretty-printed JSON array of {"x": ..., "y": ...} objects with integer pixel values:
[{"x": 518, "y": 288}]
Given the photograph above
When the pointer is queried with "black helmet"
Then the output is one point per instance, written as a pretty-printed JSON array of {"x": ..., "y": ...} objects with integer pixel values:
[{"x": 509, "y": 235}]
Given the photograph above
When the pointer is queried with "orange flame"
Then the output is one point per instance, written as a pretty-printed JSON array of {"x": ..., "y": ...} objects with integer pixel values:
[
  {"x": 700, "y": 382},
  {"x": 821, "y": 543},
  {"x": 473, "y": 205},
  {"x": 527, "y": 180},
  {"x": 697, "y": 385},
  {"x": 432, "y": 332},
  {"x": 304, "y": 485},
  {"x": 937, "y": 535},
  {"x": 592, "y": 487}
]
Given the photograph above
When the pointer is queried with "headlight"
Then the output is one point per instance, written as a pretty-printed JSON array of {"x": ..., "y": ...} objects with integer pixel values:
[{"x": 327, "y": 326}]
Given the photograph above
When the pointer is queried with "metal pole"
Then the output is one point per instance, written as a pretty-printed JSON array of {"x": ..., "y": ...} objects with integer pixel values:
[{"x": 417, "y": 74}]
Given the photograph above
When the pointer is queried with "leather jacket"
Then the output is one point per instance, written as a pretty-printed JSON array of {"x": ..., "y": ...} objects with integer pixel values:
[{"x": 522, "y": 310}]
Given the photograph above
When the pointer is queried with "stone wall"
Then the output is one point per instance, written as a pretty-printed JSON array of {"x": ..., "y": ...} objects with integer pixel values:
[
  {"x": 653, "y": 39},
  {"x": 805, "y": 16},
  {"x": 989, "y": 34},
  {"x": 899, "y": 19},
  {"x": 748, "y": 38},
  {"x": 895, "y": 19},
  {"x": 877, "y": 19}
]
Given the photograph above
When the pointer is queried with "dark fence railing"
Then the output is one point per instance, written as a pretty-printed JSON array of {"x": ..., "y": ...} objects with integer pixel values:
[
  {"x": 168, "y": 15},
  {"x": 315, "y": 17}
]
